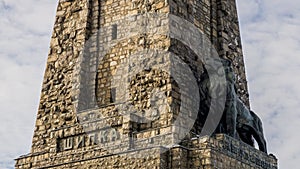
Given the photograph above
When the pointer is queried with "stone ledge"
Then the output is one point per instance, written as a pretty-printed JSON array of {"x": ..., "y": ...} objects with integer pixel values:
[{"x": 226, "y": 151}]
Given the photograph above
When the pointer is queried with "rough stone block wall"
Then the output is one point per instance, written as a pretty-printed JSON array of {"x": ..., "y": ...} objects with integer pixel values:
[
  {"x": 202, "y": 153},
  {"x": 56, "y": 103},
  {"x": 218, "y": 20},
  {"x": 79, "y": 100},
  {"x": 226, "y": 152},
  {"x": 98, "y": 160}
]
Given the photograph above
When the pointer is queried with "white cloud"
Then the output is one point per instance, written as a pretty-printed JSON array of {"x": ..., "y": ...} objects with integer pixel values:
[
  {"x": 271, "y": 48},
  {"x": 25, "y": 30}
]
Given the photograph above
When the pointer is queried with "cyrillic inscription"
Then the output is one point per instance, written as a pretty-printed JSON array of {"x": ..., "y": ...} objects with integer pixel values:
[{"x": 94, "y": 138}]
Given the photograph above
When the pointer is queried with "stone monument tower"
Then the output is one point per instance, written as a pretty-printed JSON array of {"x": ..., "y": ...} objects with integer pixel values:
[{"x": 146, "y": 84}]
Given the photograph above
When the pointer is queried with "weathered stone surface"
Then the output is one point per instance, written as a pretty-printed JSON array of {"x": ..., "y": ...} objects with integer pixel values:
[
  {"x": 79, "y": 100},
  {"x": 219, "y": 152}
]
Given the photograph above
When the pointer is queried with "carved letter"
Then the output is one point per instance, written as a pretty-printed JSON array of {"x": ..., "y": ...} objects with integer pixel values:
[
  {"x": 80, "y": 142},
  {"x": 68, "y": 143},
  {"x": 92, "y": 139},
  {"x": 103, "y": 137},
  {"x": 114, "y": 135}
]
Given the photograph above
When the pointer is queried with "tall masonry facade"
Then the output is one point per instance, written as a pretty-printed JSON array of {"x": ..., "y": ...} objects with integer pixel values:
[{"x": 121, "y": 87}]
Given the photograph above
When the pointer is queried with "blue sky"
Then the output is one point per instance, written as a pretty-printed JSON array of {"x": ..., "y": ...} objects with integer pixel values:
[{"x": 271, "y": 43}]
